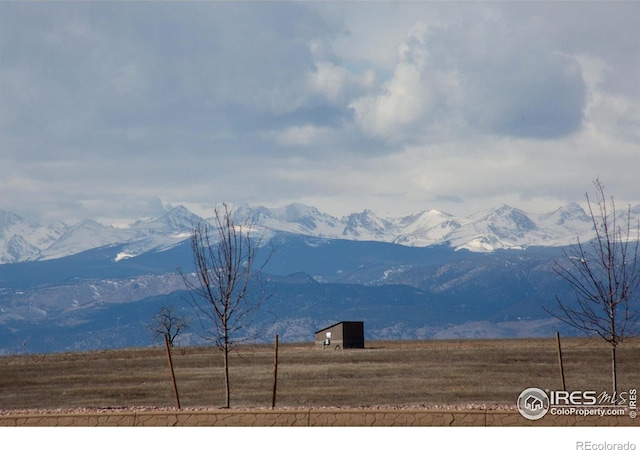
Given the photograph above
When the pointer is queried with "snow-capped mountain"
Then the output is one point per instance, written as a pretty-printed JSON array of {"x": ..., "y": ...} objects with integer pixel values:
[
  {"x": 507, "y": 227},
  {"x": 485, "y": 231},
  {"x": 498, "y": 228},
  {"x": 293, "y": 218},
  {"x": 21, "y": 240},
  {"x": 367, "y": 226},
  {"x": 91, "y": 285},
  {"x": 83, "y": 236},
  {"x": 426, "y": 228},
  {"x": 159, "y": 234},
  {"x": 176, "y": 221}
]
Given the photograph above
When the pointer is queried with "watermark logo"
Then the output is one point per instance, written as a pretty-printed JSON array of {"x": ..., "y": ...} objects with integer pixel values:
[
  {"x": 589, "y": 445},
  {"x": 533, "y": 403}
]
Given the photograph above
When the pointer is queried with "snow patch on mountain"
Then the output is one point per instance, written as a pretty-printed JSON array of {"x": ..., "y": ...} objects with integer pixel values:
[
  {"x": 21, "y": 240},
  {"x": 504, "y": 227},
  {"x": 485, "y": 231},
  {"x": 367, "y": 226},
  {"x": 85, "y": 235},
  {"x": 293, "y": 218},
  {"x": 425, "y": 228}
]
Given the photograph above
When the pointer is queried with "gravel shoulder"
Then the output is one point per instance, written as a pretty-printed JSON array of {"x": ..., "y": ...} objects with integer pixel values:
[{"x": 125, "y": 409}]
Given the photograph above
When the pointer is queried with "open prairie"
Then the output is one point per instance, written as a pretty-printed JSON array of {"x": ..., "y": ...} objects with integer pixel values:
[{"x": 385, "y": 373}]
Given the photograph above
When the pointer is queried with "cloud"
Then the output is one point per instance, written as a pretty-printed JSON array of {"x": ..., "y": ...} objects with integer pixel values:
[
  {"x": 409, "y": 99},
  {"x": 345, "y": 105},
  {"x": 609, "y": 112},
  {"x": 301, "y": 136},
  {"x": 459, "y": 78},
  {"x": 337, "y": 84}
]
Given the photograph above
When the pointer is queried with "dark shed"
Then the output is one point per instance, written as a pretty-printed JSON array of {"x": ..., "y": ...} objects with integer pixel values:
[{"x": 341, "y": 335}]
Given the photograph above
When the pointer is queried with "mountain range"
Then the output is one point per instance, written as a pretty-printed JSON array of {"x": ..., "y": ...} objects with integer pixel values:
[
  {"x": 420, "y": 276},
  {"x": 504, "y": 227}
]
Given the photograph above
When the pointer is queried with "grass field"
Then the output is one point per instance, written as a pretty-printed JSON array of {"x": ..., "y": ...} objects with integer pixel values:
[{"x": 389, "y": 373}]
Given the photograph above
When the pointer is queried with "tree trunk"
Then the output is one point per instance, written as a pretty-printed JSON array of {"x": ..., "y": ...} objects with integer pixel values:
[
  {"x": 227, "y": 390},
  {"x": 275, "y": 373},
  {"x": 613, "y": 372},
  {"x": 564, "y": 387},
  {"x": 173, "y": 376}
]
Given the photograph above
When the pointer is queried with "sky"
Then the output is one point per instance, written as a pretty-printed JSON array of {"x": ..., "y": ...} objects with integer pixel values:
[{"x": 116, "y": 111}]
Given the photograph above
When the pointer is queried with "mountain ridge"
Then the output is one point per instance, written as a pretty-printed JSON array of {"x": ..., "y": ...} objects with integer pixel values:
[
  {"x": 89, "y": 301},
  {"x": 503, "y": 227},
  {"x": 419, "y": 276}
]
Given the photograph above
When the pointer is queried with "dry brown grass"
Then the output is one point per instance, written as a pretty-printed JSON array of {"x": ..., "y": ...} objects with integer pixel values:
[{"x": 390, "y": 373}]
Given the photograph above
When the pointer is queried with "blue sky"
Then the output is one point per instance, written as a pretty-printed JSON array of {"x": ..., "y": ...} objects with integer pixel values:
[{"x": 117, "y": 110}]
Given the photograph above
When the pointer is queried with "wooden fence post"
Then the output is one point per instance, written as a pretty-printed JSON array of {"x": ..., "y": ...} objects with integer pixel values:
[
  {"x": 275, "y": 374},
  {"x": 173, "y": 377},
  {"x": 560, "y": 361}
]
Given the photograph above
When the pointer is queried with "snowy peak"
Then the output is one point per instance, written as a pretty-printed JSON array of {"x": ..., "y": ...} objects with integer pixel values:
[
  {"x": 297, "y": 212},
  {"x": 498, "y": 228},
  {"x": 307, "y": 217},
  {"x": 509, "y": 223},
  {"x": 367, "y": 226},
  {"x": 8, "y": 220},
  {"x": 428, "y": 219},
  {"x": 508, "y": 227},
  {"x": 177, "y": 220},
  {"x": 292, "y": 218},
  {"x": 485, "y": 231},
  {"x": 426, "y": 228},
  {"x": 18, "y": 249},
  {"x": 21, "y": 240},
  {"x": 83, "y": 236},
  {"x": 571, "y": 213},
  {"x": 571, "y": 218}
]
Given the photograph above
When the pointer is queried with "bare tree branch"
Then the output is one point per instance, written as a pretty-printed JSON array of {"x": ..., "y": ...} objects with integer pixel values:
[
  {"x": 226, "y": 288},
  {"x": 167, "y": 323},
  {"x": 604, "y": 276}
]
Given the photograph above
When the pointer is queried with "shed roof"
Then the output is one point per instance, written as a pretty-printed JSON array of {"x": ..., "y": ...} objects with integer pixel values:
[{"x": 338, "y": 323}]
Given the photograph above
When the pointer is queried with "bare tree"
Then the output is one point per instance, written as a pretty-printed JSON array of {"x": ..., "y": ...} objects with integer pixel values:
[
  {"x": 167, "y": 323},
  {"x": 604, "y": 275},
  {"x": 226, "y": 288}
]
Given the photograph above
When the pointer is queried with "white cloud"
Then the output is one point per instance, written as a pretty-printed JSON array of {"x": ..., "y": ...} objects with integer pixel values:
[
  {"x": 458, "y": 78},
  {"x": 409, "y": 97},
  {"x": 608, "y": 113},
  {"x": 301, "y": 136},
  {"x": 348, "y": 105},
  {"x": 337, "y": 84}
]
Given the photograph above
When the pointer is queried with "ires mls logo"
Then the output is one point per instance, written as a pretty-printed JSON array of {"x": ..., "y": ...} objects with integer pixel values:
[
  {"x": 573, "y": 398},
  {"x": 533, "y": 403}
]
